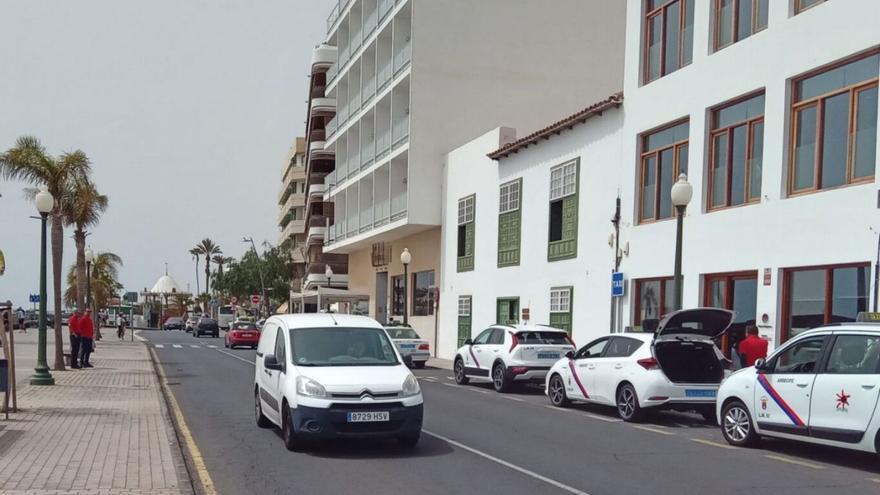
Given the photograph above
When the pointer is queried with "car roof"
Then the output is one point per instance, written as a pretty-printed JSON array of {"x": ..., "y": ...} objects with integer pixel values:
[
  {"x": 534, "y": 327},
  {"x": 313, "y": 320},
  {"x": 842, "y": 327}
]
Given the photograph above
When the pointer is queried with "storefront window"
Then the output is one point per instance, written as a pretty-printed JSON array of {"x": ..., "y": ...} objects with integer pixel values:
[
  {"x": 737, "y": 292},
  {"x": 655, "y": 299},
  {"x": 818, "y": 296},
  {"x": 423, "y": 293}
]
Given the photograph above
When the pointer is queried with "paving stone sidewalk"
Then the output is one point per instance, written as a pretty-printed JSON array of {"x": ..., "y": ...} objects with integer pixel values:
[{"x": 100, "y": 431}]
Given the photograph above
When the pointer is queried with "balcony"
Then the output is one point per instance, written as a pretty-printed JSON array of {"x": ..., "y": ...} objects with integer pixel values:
[
  {"x": 293, "y": 227},
  {"x": 317, "y": 151},
  {"x": 401, "y": 131},
  {"x": 317, "y": 190},
  {"x": 402, "y": 57},
  {"x": 331, "y": 127},
  {"x": 368, "y": 91},
  {"x": 323, "y": 56},
  {"x": 385, "y": 7},
  {"x": 383, "y": 144},
  {"x": 384, "y": 74},
  {"x": 316, "y": 235},
  {"x": 323, "y": 107}
]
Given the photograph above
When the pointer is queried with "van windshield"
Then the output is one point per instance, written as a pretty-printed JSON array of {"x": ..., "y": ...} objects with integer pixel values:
[{"x": 336, "y": 346}]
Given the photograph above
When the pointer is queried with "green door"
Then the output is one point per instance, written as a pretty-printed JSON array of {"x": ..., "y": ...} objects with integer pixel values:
[
  {"x": 508, "y": 311},
  {"x": 464, "y": 319}
]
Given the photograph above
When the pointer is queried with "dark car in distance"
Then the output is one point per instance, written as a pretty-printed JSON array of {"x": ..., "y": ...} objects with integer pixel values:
[
  {"x": 173, "y": 323},
  {"x": 207, "y": 326}
]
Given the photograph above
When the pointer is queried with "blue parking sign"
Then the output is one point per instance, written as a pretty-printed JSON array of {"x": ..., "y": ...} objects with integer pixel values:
[
  {"x": 617, "y": 284},
  {"x": 35, "y": 298}
]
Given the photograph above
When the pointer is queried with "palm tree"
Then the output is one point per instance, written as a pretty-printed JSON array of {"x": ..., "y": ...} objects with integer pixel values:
[
  {"x": 28, "y": 161},
  {"x": 105, "y": 280},
  {"x": 195, "y": 252},
  {"x": 83, "y": 211},
  {"x": 208, "y": 249},
  {"x": 221, "y": 260}
]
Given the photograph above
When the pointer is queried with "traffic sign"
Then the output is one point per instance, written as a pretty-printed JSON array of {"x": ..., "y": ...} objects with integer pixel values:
[
  {"x": 35, "y": 298},
  {"x": 617, "y": 284},
  {"x": 255, "y": 299}
]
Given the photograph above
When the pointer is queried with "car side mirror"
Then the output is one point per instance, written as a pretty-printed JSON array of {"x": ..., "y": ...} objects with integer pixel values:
[
  {"x": 407, "y": 360},
  {"x": 569, "y": 354},
  {"x": 271, "y": 363},
  {"x": 759, "y": 364},
  {"x": 468, "y": 342}
]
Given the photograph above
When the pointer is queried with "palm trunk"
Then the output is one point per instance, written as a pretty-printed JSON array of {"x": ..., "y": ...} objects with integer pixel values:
[
  {"x": 57, "y": 253},
  {"x": 207, "y": 275},
  {"x": 79, "y": 239}
]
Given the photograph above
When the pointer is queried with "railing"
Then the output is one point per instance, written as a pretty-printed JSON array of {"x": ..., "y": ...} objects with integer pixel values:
[
  {"x": 341, "y": 168},
  {"x": 356, "y": 102},
  {"x": 401, "y": 131},
  {"x": 354, "y": 162},
  {"x": 356, "y": 39},
  {"x": 368, "y": 154},
  {"x": 383, "y": 143},
  {"x": 344, "y": 53},
  {"x": 369, "y": 90},
  {"x": 342, "y": 115},
  {"x": 333, "y": 17},
  {"x": 381, "y": 211},
  {"x": 332, "y": 126},
  {"x": 384, "y": 74},
  {"x": 333, "y": 71},
  {"x": 402, "y": 57},
  {"x": 398, "y": 206},
  {"x": 385, "y": 7},
  {"x": 370, "y": 23},
  {"x": 366, "y": 219}
]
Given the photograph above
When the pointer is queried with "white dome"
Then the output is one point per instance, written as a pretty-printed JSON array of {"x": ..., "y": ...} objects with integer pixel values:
[{"x": 165, "y": 285}]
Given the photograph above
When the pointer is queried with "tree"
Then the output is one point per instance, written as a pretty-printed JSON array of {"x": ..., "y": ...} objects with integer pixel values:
[
  {"x": 83, "y": 211},
  {"x": 208, "y": 249},
  {"x": 29, "y": 162},
  {"x": 105, "y": 280},
  {"x": 242, "y": 277},
  {"x": 195, "y": 254}
]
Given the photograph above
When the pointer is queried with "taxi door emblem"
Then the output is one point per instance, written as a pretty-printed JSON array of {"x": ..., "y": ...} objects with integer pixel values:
[
  {"x": 843, "y": 400},
  {"x": 764, "y": 403}
]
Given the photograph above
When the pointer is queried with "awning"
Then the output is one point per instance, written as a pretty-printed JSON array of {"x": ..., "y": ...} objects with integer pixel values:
[{"x": 328, "y": 296}]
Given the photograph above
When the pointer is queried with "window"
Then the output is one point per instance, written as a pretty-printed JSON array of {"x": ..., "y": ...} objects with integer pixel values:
[
  {"x": 423, "y": 293},
  {"x": 464, "y": 306},
  {"x": 593, "y": 349},
  {"x": 736, "y": 20},
  {"x": 509, "y": 223},
  {"x": 563, "y": 211},
  {"x": 854, "y": 355},
  {"x": 483, "y": 338},
  {"x": 655, "y": 299},
  {"x": 818, "y": 296},
  {"x": 622, "y": 347},
  {"x": 737, "y": 292},
  {"x": 834, "y": 127},
  {"x": 800, "y": 357},
  {"x": 397, "y": 295},
  {"x": 465, "y": 250},
  {"x": 669, "y": 37},
  {"x": 497, "y": 337},
  {"x": 560, "y": 308},
  {"x": 664, "y": 156},
  {"x": 736, "y": 158},
  {"x": 280, "y": 348},
  {"x": 464, "y": 319},
  {"x": 802, "y": 5}
]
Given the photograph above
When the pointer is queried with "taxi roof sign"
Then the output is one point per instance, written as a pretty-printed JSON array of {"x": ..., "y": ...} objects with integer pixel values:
[{"x": 868, "y": 317}]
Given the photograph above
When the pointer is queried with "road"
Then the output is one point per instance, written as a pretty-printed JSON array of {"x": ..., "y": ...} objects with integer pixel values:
[{"x": 477, "y": 440}]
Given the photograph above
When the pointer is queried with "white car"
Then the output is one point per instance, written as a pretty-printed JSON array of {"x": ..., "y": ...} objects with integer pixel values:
[
  {"x": 509, "y": 354},
  {"x": 325, "y": 375},
  {"x": 677, "y": 367},
  {"x": 409, "y": 343},
  {"x": 820, "y": 387}
]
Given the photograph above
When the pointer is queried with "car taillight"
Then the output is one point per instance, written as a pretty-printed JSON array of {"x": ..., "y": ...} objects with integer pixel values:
[
  {"x": 423, "y": 347},
  {"x": 515, "y": 341},
  {"x": 518, "y": 370},
  {"x": 648, "y": 363}
]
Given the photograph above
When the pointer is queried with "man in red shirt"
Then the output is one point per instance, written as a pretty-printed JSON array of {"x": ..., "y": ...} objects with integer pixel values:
[
  {"x": 752, "y": 347},
  {"x": 73, "y": 328},
  {"x": 86, "y": 335}
]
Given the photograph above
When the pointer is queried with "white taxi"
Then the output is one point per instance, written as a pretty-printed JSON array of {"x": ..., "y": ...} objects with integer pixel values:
[{"x": 820, "y": 387}]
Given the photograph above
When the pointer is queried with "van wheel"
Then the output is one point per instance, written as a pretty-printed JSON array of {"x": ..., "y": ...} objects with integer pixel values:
[
  {"x": 262, "y": 421},
  {"x": 458, "y": 371},
  {"x": 628, "y": 403},
  {"x": 499, "y": 378},
  {"x": 737, "y": 426},
  {"x": 556, "y": 391},
  {"x": 291, "y": 442}
]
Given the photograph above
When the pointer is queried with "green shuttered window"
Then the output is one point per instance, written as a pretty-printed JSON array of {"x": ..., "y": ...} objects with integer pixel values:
[
  {"x": 509, "y": 223},
  {"x": 562, "y": 243},
  {"x": 466, "y": 234},
  {"x": 464, "y": 319},
  {"x": 560, "y": 308}
]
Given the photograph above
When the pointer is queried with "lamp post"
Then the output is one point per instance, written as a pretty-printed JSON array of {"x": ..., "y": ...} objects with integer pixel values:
[
  {"x": 681, "y": 193},
  {"x": 90, "y": 258},
  {"x": 45, "y": 203},
  {"x": 259, "y": 270},
  {"x": 405, "y": 258},
  {"x": 328, "y": 272}
]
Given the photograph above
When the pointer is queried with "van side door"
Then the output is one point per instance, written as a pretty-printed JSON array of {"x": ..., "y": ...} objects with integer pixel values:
[{"x": 265, "y": 378}]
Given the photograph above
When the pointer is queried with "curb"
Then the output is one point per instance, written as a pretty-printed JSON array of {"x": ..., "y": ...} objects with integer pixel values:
[{"x": 199, "y": 478}]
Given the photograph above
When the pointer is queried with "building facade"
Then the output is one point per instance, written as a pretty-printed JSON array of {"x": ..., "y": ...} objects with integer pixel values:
[
  {"x": 773, "y": 117},
  {"x": 292, "y": 204},
  {"x": 416, "y": 78}
]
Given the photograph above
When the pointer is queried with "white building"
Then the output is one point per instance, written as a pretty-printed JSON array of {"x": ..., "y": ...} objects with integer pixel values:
[
  {"x": 414, "y": 79},
  {"x": 775, "y": 122}
]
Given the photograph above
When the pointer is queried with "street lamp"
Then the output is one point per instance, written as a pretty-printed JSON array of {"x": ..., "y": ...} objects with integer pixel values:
[
  {"x": 328, "y": 272},
  {"x": 45, "y": 203},
  {"x": 405, "y": 258},
  {"x": 259, "y": 270},
  {"x": 681, "y": 193}
]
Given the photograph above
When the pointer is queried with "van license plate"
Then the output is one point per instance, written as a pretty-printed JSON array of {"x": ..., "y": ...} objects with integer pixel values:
[
  {"x": 700, "y": 393},
  {"x": 367, "y": 416},
  {"x": 548, "y": 355}
]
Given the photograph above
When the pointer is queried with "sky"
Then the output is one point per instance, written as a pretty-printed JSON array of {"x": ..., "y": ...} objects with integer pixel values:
[{"x": 186, "y": 108}]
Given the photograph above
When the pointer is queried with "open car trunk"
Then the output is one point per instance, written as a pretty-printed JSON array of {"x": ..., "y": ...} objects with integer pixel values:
[{"x": 688, "y": 361}]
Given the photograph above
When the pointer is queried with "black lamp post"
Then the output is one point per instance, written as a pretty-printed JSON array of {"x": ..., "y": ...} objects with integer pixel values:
[
  {"x": 681, "y": 193},
  {"x": 45, "y": 203},
  {"x": 405, "y": 258}
]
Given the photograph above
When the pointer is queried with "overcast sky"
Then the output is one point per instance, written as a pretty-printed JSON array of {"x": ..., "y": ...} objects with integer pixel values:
[{"x": 187, "y": 109}]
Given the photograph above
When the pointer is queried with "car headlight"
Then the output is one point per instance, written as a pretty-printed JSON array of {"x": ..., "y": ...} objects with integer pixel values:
[
  {"x": 411, "y": 387},
  {"x": 309, "y": 388}
]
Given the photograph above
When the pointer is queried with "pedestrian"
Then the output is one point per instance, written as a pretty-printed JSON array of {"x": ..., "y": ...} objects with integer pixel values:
[
  {"x": 87, "y": 338},
  {"x": 73, "y": 327},
  {"x": 19, "y": 313},
  {"x": 120, "y": 332},
  {"x": 752, "y": 347}
]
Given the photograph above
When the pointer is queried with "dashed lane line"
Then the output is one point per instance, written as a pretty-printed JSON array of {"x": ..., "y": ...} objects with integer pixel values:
[
  {"x": 195, "y": 346},
  {"x": 236, "y": 356},
  {"x": 450, "y": 385},
  {"x": 875, "y": 480},
  {"x": 713, "y": 444},
  {"x": 794, "y": 461},
  {"x": 653, "y": 430},
  {"x": 508, "y": 397},
  {"x": 602, "y": 418},
  {"x": 212, "y": 346},
  {"x": 510, "y": 465},
  {"x": 159, "y": 346},
  {"x": 177, "y": 346}
]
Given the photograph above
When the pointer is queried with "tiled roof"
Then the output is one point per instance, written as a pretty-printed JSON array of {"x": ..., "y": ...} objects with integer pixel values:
[{"x": 567, "y": 123}]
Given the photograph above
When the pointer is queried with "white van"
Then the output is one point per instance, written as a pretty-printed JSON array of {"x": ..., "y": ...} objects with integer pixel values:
[{"x": 326, "y": 375}]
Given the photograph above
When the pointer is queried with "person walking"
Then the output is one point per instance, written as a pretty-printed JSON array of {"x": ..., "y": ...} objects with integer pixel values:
[
  {"x": 87, "y": 338},
  {"x": 120, "y": 332},
  {"x": 19, "y": 313},
  {"x": 73, "y": 327},
  {"x": 753, "y": 347}
]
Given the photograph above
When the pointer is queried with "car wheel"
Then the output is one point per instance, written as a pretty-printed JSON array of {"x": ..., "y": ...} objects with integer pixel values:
[
  {"x": 409, "y": 441},
  {"x": 628, "y": 403},
  {"x": 419, "y": 365},
  {"x": 291, "y": 442},
  {"x": 458, "y": 371},
  {"x": 499, "y": 378},
  {"x": 557, "y": 392},
  {"x": 262, "y": 421},
  {"x": 737, "y": 426}
]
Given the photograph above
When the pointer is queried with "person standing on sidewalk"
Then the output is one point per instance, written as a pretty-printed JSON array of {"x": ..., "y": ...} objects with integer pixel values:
[
  {"x": 73, "y": 327},
  {"x": 87, "y": 338}
]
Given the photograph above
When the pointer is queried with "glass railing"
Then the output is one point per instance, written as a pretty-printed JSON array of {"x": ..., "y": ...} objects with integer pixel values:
[
  {"x": 341, "y": 169},
  {"x": 370, "y": 22},
  {"x": 356, "y": 102},
  {"x": 356, "y": 39},
  {"x": 384, "y": 74},
  {"x": 384, "y": 8},
  {"x": 344, "y": 54},
  {"x": 354, "y": 163},
  {"x": 401, "y": 131},
  {"x": 332, "y": 72},
  {"x": 383, "y": 144},
  {"x": 382, "y": 212},
  {"x": 401, "y": 58},
  {"x": 368, "y": 154},
  {"x": 369, "y": 89},
  {"x": 331, "y": 127},
  {"x": 342, "y": 115},
  {"x": 398, "y": 205},
  {"x": 366, "y": 219}
]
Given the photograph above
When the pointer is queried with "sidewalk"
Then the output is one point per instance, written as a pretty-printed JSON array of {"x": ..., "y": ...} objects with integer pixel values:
[
  {"x": 444, "y": 364},
  {"x": 100, "y": 431}
]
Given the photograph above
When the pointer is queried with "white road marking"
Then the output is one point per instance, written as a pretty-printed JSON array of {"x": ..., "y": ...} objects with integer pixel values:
[
  {"x": 517, "y": 399},
  {"x": 476, "y": 390},
  {"x": 603, "y": 418},
  {"x": 177, "y": 346},
  {"x": 450, "y": 385},
  {"x": 236, "y": 356},
  {"x": 875, "y": 480},
  {"x": 653, "y": 430},
  {"x": 713, "y": 444},
  {"x": 212, "y": 346},
  {"x": 159, "y": 346},
  {"x": 450, "y": 378},
  {"x": 195, "y": 346},
  {"x": 794, "y": 461},
  {"x": 506, "y": 464}
]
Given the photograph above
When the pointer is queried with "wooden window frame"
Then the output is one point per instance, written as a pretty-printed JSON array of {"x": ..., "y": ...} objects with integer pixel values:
[
  {"x": 655, "y": 153},
  {"x": 509, "y": 256},
  {"x": 818, "y": 102},
  {"x": 469, "y": 305},
  {"x": 560, "y": 290},
  {"x": 637, "y": 318},
  {"x": 734, "y": 20},
  {"x": 505, "y": 207},
  {"x": 798, "y": 6},
  {"x": 728, "y": 278},
  {"x": 646, "y": 31},
  {"x": 564, "y": 248},
  {"x": 465, "y": 263},
  {"x": 750, "y": 124},
  {"x": 785, "y": 324}
]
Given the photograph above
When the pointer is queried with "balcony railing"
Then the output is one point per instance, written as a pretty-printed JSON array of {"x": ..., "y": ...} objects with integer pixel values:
[
  {"x": 383, "y": 144},
  {"x": 369, "y": 90},
  {"x": 356, "y": 39},
  {"x": 356, "y": 102},
  {"x": 398, "y": 206},
  {"x": 381, "y": 211},
  {"x": 385, "y": 7},
  {"x": 401, "y": 58},
  {"x": 332, "y": 126},
  {"x": 370, "y": 23},
  {"x": 384, "y": 75},
  {"x": 354, "y": 163},
  {"x": 368, "y": 154},
  {"x": 344, "y": 54},
  {"x": 342, "y": 114},
  {"x": 401, "y": 131},
  {"x": 333, "y": 17},
  {"x": 366, "y": 219},
  {"x": 332, "y": 72}
]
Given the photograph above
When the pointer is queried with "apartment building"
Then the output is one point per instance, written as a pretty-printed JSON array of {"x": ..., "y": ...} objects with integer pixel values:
[
  {"x": 773, "y": 116},
  {"x": 292, "y": 203},
  {"x": 416, "y": 78}
]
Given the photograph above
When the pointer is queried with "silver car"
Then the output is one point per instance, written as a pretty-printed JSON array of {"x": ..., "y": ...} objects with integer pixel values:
[{"x": 409, "y": 343}]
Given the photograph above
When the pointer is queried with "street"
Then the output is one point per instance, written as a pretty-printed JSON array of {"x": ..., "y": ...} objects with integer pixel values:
[{"x": 474, "y": 438}]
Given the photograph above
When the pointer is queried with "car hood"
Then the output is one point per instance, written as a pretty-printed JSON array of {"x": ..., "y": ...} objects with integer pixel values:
[
  {"x": 704, "y": 322},
  {"x": 355, "y": 379}
]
